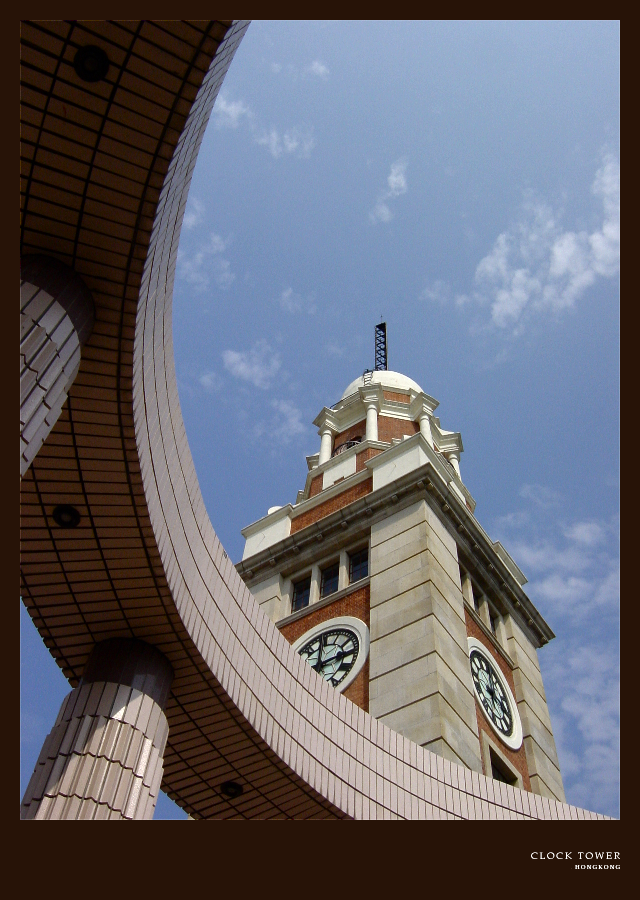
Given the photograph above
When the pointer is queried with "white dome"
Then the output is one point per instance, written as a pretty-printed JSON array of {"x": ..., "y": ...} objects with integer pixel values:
[{"x": 393, "y": 380}]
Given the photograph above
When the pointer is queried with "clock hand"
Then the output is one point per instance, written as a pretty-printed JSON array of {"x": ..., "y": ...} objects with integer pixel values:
[
  {"x": 318, "y": 665},
  {"x": 337, "y": 652}
]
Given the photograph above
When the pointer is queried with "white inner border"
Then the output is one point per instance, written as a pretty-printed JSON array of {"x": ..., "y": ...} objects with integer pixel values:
[
  {"x": 351, "y": 623},
  {"x": 515, "y": 740}
]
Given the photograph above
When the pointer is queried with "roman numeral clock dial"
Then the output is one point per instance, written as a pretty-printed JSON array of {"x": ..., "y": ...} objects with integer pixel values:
[
  {"x": 336, "y": 649},
  {"x": 494, "y": 695},
  {"x": 332, "y": 654}
]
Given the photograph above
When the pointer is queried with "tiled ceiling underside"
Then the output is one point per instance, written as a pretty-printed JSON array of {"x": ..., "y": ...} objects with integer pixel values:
[{"x": 94, "y": 159}]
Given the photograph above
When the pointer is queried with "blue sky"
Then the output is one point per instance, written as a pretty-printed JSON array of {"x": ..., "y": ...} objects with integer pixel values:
[{"x": 461, "y": 180}]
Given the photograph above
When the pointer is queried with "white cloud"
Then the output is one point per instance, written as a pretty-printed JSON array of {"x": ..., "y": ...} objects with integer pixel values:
[
  {"x": 206, "y": 262},
  {"x": 194, "y": 213},
  {"x": 282, "y": 427},
  {"x": 288, "y": 422},
  {"x": 210, "y": 381},
  {"x": 584, "y": 680},
  {"x": 543, "y": 497},
  {"x": 276, "y": 67},
  {"x": 397, "y": 180},
  {"x": 317, "y": 68},
  {"x": 296, "y": 140},
  {"x": 586, "y": 533},
  {"x": 544, "y": 557},
  {"x": 229, "y": 114},
  {"x": 512, "y": 520},
  {"x": 380, "y": 213},
  {"x": 439, "y": 292},
  {"x": 258, "y": 366},
  {"x": 291, "y": 302},
  {"x": 573, "y": 568},
  {"x": 535, "y": 267},
  {"x": 396, "y": 186},
  {"x": 574, "y": 580}
]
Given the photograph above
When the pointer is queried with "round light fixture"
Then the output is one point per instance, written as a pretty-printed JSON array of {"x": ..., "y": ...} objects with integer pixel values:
[
  {"x": 231, "y": 789},
  {"x": 91, "y": 63},
  {"x": 66, "y": 516}
]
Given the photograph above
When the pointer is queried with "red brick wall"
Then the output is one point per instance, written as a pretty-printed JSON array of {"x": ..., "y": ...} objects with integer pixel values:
[
  {"x": 361, "y": 458},
  {"x": 316, "y": 485},
  {"x": 517, "y": 758},
  {"x": 389, "y": 428},
  {"x": 356, "y": 431},
  {"x": 329, "y": 506},
  {"x": 356, "y": 605},
  {"x": 392, "y": 395}
]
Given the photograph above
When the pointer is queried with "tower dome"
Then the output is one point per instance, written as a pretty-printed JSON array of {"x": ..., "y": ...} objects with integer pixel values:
[{"x": 393, "y": 380}]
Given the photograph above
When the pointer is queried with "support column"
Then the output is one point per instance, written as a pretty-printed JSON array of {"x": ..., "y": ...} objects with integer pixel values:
[
  {"x": 326, "y": 440},
  {"x": 103, "y": 759},
  {"x": 343, "y": 571},
  {"x": 467, "y": 588},
  {"x": 372, "y": 421},
  {"x": 501, "y": 632},
  {"x": 56, "y": 318},
  {"x": 483, "y": 611},
  {"x": 314, "y": 590},
  {"x": 425, "y": 428},
  {"x": 421, "y": 410},
  {"x": 453, "y": 457}
]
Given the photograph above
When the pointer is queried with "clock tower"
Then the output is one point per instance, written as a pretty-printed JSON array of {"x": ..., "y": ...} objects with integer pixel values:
[{"x": 384, "y": 581}]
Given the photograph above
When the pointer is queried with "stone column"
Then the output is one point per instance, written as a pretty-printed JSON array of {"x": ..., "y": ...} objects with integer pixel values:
[
  {"x": 314, "y": 590},
  {"x": 483, "y": 611},
  {"x": 343, "y": 572},
  {"x": 425, "y": 427},
  {"x": 56, "y": 318},
  {"x": 372, "y": 420},
  {"x": 103, "y": 758},
  {"x": 454, "y": 458},
  {"x": 421, "y": 410},
  {"x": 325, "y": 445},
  {"x": 467, "y": 588},
  {"x": 501, "y": 632}
]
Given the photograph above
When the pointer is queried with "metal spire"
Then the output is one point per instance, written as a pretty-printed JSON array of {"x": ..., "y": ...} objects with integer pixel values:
[{"x": 381, "y": 347}]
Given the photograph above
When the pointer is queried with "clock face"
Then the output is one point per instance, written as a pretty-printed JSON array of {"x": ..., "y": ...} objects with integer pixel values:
[
  {"x": 332, "y": 653},
  {"x": 490, "y": 691}
]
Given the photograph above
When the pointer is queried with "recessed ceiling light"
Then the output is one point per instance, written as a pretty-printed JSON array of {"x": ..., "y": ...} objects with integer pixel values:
[
  {"x": 66, "y": 516},
  {"x": 231, "y": 789},
  {"x": 91, "y": 63}
]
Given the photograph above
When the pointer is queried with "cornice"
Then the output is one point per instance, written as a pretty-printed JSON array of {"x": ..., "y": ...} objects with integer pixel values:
[
  {"x": 442, "y": 465},
  {"x": 420, "y": 402},
  {"x": 320, "y": 470},
  {"x": 448, "y": 440},
  {"x": 353, "y": 408},
  {"x": 476, "y": 550},
  {"x": 327, "y": 418},
  {"x": 269, "y": 519},
  {"x": 371, "y": 393}
]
